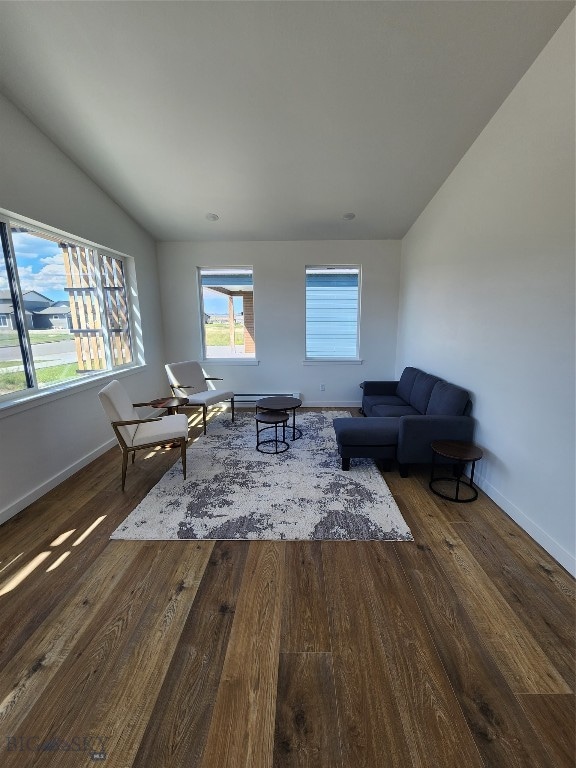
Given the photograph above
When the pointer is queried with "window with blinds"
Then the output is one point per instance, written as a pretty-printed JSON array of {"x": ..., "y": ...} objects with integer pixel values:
[{"x": 332, "y": 312}]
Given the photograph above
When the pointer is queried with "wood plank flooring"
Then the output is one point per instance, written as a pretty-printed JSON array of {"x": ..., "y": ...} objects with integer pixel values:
[{"x": 457, "y": 649}]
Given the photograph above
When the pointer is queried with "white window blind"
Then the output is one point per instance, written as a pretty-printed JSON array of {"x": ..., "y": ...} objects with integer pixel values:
[{"x": 332, "y": 312}]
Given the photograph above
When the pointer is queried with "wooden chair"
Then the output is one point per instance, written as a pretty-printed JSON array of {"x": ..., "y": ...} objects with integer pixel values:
[
  {"x": 135, "y": 434},
  {"x": 187, "y": 380}
]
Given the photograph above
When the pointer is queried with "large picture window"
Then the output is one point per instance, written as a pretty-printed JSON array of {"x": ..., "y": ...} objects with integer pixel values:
[
  {"x": 227, "y": 307},
  {"x": 64, "y": 310},
  {"x": 332, "y": 312}
]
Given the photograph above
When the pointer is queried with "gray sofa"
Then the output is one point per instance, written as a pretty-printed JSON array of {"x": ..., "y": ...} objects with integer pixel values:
[{"x": 401, "y": 419}]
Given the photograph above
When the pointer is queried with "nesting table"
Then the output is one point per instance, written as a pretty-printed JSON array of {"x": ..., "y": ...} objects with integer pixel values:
[
  {"x": 281, "y": 403},
  {"x": 272, "y": 419}
]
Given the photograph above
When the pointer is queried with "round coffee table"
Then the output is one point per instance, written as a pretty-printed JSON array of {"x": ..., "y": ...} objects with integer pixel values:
[
  {"x": 460, "y": 453},
  {"x": 272, "y": 419},
  {"x": 281, "y": 403}
]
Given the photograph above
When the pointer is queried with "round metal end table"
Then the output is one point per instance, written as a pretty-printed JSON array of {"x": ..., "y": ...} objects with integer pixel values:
[
  {"x": 460, "y": 453},
  {"x": 282, "y": 403},
  {"x": 273, "y": 419}
]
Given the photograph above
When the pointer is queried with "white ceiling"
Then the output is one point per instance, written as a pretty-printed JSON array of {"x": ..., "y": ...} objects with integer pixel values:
[{"x": 278, "y": 116}]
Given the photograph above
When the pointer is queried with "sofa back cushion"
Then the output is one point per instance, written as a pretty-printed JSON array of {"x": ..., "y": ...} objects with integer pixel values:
[
  {"x": 423, "y": 385},
  {"x": 447, "y": 400},
  {"x": 404, "y": 388}
]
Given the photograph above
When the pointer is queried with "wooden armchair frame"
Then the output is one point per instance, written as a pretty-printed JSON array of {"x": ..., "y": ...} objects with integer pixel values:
[
  {"x": 173, "y": 442},
  {"x": 112, "y": 390}
]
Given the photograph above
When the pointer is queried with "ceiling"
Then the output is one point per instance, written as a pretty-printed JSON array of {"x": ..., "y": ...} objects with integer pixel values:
[{"x": 279, "y": 117}]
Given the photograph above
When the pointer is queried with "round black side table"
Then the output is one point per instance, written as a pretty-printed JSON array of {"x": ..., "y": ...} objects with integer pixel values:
[
  {"x": 460, "y": 453},
  {"x": 272, "y": 419},
  {"x": 282, "y": 403}
]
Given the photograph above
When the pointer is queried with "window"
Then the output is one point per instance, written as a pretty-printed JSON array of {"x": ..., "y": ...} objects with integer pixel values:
[
  {"x": 64, "y": 310},
  {"x": 227, "y": 311},
  {"x": 332, "y": 312}
]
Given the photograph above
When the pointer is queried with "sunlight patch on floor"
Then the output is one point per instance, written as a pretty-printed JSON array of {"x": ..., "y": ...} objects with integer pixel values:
[
  {"x": 62, "y": 538},
  {"x": 59, "y": 561},
  {"x": 88, "y": 531},
  {"x": 24, "y": 572},
  {"x": 11, "y": 561}
]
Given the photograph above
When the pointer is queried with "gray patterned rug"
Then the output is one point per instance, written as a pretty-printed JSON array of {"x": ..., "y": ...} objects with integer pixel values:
[{"x": 235, "y": 492}]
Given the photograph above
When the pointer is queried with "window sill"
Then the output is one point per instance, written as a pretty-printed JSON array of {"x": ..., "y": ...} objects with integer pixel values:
[
  {"x": 333, "y": 361},
  {"x": 38, "y": 398},
  {"x": 230, "y": 361}
]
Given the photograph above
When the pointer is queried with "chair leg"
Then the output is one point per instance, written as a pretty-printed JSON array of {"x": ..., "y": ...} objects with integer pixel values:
[
  {"x": 204, "y": 411},
  {"x": 124, "y": 466},
  {"x": 232, "y": 404},
  {"x": 183, "y": 455}
]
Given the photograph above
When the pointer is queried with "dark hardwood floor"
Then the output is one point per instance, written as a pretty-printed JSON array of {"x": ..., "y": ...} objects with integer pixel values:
[{"x": 455, "y": 650}]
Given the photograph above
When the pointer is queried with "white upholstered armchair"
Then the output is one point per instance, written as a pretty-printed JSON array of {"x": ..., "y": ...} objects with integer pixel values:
[
  {"x": 134, "y": 433},
  {"x": 187, "y": 380}
]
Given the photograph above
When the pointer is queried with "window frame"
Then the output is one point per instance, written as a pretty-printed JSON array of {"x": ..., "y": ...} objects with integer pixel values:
[
  {"x": 224, "y": 270},
  {"x": 31, "y": 393},
  {"x": 351, "y": 359}
]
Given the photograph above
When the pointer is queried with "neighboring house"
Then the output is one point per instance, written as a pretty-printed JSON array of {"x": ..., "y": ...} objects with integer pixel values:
[
  {"x": 224, "y": 319},
  {"x": 55, "y": 316},
  {"x": 41, "y": 312},
  {"x": 6, "y": 315},
  {"x": 6, "y": 310},
  {"x": 35, "y": 301},
  {"x": 7, "y": 319}
]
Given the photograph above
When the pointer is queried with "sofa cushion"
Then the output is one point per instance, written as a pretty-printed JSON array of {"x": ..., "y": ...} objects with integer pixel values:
[
  {"x": 385, "y": 400},
  {"x": 447, "y": 400},
  {"x": 369, "y": 401},
  {"x": 366, "y": 431},
  {"x": 423, "y": 385},
  {"x": 404, "y": 388},
  {"x": 394, "y": 410}
]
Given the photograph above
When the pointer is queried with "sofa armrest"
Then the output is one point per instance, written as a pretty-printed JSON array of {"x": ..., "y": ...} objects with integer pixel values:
[
  {"x": 417, "y": 432},
  {"x": 379, "y": 387}
]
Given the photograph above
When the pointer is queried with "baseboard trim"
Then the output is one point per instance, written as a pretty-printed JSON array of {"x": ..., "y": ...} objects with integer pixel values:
[
  {"x": 309, "y": 404},
  {"x": 330, "y": 404},
  {"x": 48, "y": 485},
  {"x": 566, "y": 559}
]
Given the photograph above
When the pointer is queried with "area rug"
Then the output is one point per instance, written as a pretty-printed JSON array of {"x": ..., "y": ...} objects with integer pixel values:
[{"x": 235, "y": 492}]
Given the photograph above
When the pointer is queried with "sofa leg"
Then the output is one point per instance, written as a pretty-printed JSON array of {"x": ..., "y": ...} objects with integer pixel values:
[
  {"x": 403, "y": 469},
  {"x": 345, "y": 464}
]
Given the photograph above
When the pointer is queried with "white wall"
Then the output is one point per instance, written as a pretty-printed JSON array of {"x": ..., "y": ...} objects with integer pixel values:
[
  {"x": 42, "y": 444},
  {"x": 279, "y": 307},
  {"x": 487, "y": 296}
]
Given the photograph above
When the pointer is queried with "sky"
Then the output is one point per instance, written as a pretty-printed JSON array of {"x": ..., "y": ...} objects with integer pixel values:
[
  {"x": 40, "y": 266},
  {"x": 217, "y": 304}
]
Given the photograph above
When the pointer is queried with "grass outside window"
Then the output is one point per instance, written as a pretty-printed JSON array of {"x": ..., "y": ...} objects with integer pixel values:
[{"x": 219, "y": 335}]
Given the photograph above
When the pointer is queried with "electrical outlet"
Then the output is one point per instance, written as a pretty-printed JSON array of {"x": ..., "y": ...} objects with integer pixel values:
[{"x": 322, "y": 387}]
